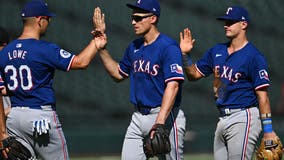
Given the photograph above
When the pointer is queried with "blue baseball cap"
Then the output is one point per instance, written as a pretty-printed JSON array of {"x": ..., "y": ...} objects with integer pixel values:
[
  {"x": 36, "y": 8},
  {"x": 235, "y": 13},
  {"x": 152, "y": 6}
]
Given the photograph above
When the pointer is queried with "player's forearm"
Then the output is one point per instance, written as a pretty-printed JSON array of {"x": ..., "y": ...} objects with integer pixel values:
[
  {"x": 191, "y": 73},
  {"x": 189, "y": 68},
  {"x": 263, "y": 101},
  {"x": 265, "y": 112},
  {"x": 3, "y": 132},
  {"x": 167, "y": 102},
  {"x": 83, "y": 59},
  {"x": 110, "y": 65}
]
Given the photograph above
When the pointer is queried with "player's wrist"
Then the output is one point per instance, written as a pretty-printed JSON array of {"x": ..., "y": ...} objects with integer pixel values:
[
  {"x": 96, "y": 33},
  {"x": 101, "y": 48},
  {"x": 186, "y": 60},
  {"x": 265, "y": 115}
]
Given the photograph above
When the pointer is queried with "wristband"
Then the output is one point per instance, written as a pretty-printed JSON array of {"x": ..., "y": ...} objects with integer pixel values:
[
  {"x": 186, "y": 60},
  {"x": 267, "y": 125}
]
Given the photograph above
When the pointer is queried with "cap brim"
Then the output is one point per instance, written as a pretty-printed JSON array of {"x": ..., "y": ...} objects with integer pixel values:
[
  {"x": 224, "y": 18},
  {"x": 51, "y": 15},
  {"x": 34, "y": 15},
  {"x": 131, "y": 6}
]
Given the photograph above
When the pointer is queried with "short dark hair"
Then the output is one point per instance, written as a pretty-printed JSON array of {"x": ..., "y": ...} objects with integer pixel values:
[{"x": 4, "y": 36}]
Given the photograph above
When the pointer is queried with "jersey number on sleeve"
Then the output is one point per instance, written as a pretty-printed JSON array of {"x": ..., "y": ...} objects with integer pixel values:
[{"x": 22, "y": 77}]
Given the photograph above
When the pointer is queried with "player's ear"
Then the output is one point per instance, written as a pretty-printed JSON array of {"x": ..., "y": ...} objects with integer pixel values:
[
  {"x": 40, "y": 21},
  {"x": 244, "y": 24},
  {"x": 154, "y": 19},
  {"x": 37, "y": 19}
]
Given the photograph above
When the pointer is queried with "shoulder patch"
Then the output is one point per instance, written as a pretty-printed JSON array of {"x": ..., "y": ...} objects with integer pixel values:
[
  {"x": 64, "y": 53},
  {"x": 263, "y": 74},
  {"x": 176, "y": 68}
]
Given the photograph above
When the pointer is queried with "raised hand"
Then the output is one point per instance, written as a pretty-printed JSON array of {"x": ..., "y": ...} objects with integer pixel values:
[
  {"x": 186, "y": 41},
  {"x": 99, "y": 20}
]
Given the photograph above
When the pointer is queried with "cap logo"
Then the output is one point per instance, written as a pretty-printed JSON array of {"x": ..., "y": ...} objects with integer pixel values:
[
  {"x": 154, "y": 9},
  {"x": 243, "y": 18},
  {"x": 228, "y": 10},
  {"x": 139, "y": 1}
]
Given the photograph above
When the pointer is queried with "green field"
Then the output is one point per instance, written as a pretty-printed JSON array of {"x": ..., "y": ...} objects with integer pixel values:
[{"x": 187, "y": 157}]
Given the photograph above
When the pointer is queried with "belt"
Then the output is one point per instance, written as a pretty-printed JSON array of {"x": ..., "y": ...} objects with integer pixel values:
[
  {"x": 228, "y": 111},
  {"x": 144, "y": 110},
  {"x": 43, "y": 107}
]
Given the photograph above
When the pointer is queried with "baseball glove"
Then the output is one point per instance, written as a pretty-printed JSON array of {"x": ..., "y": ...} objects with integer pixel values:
[
  {"x": 14, "y": 149},
  {"x": 270, "y": 149},
  {"x": 160, "y": 144}
]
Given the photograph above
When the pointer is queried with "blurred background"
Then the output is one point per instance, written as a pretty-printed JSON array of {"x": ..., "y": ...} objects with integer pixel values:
[{"x": 95, "y": 111}]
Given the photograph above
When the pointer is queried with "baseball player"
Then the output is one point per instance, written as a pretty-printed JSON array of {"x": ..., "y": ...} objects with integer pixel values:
[
  {"x": 241, "y": 83},
  {"x": 4, "y": 40},
  {"x": 154, "y": 65},
  {"x": 27, "y": 68}
]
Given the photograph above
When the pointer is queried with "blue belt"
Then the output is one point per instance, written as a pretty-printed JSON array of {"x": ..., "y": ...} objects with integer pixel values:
[
  {"x": 144, "y": 110},
  {"x": 228, "y": 111},
  {"x": 43, "y": 107}
]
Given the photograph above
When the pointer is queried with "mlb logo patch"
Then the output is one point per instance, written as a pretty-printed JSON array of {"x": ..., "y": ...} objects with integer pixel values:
[
  {"x": 176, "y": 68},
  {"x": 263, "y": 74},
  {"x": 18, "y": 45}
]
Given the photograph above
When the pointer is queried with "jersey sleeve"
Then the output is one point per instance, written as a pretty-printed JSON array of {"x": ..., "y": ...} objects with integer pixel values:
[
  {"x": 205, "y": 64},
  {"x": 259, "y": 72},
  {"x": 125, "y": 64},
  {"x": 59, "y": 58},
  {"x": 172, "y": 64}
]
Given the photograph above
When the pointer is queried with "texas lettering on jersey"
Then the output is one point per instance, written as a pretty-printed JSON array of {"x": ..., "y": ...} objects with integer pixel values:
[
  {"x": 145, "y": 67},
  {"x": 228, "y": 73}
]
